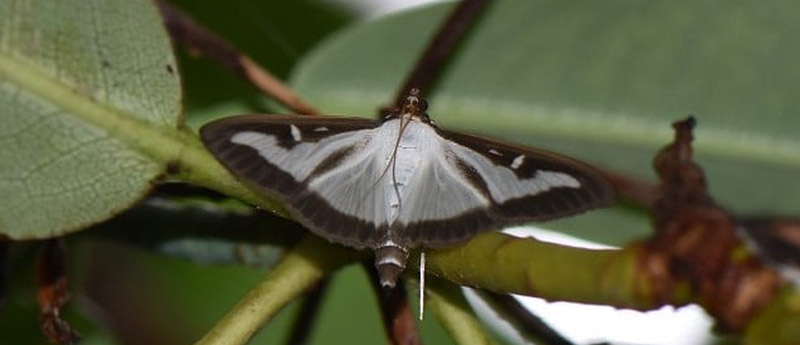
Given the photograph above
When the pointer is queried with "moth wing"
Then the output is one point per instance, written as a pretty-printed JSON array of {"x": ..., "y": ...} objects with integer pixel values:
[
  {"x": 282, "y": 155},
  {"x": 522, "y": 184}
]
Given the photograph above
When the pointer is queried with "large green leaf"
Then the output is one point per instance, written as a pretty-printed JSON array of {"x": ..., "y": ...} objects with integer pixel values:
[
  {"x": 602, "y": 81},
  {"x": 79, "y": 80}
]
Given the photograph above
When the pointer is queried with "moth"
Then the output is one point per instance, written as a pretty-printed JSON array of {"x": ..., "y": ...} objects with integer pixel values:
[{"x": 400, "y": 182}]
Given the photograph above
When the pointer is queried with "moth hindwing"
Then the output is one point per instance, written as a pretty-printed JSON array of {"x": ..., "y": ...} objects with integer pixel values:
[{"x": 401, "y": 182}]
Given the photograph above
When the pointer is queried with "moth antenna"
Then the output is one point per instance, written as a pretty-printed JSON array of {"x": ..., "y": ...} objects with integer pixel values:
[
  {"x": 392, "y": 158},
  {"x": 421, "y": 285},
  {"x": 394, "y": 164}
]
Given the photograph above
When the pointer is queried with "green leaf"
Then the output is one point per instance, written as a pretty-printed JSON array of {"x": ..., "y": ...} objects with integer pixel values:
[
  {"x": 601, "y": 81},
  {"x": 90, "y": 102},
  {"x": 76, "y": 80}
]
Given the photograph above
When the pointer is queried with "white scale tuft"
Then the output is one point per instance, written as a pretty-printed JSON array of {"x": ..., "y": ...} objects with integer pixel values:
[
  {"x": 517, "y": 162},
  {"x": 296, "y": 135}
]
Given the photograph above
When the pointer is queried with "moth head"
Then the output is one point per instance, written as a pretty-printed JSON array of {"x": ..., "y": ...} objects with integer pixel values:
[
  {"x": 415, "y": 106},
  {"x": 413, "y": 103}
]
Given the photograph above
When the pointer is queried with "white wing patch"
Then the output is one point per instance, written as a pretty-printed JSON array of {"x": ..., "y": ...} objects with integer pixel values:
[
  {"x": 517, "y": 162},
  {"x": 300, "y": 160},
  {"x": 418, "y": 181},
  {"x": 296, "y": 135},
  {"x": 503, "y": 183}
]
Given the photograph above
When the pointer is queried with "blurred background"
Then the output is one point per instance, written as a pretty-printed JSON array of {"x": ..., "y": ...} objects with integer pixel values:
[{"x": 729, "y": 64}]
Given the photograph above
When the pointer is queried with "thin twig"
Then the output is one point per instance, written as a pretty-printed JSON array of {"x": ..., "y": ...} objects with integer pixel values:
[
  {"x": 441, "y": 48},
  {"x": 529, "y": 325},
  {"x": 4, "y": 244},
  {"x": 52, "y": 283},
  {"x": 631, "y": 189},
  {"x": 305, "y": 319},
  {"x": 167, "y": 220},
  {"x": 186, "y": 31},
  {"x": 174, "y": 189}
]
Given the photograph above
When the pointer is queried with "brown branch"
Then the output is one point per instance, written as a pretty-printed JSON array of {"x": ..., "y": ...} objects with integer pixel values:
[
  {"x": 309, "y": 310},
  {"x": 631, "y": 189},
  {"x": 776, "y": 240},
  {"x": 52, "y": 284},
  {"x": 441, "y": 48},
  {"x": 186, "y": 31},
  {"x": 398, "y": 320}
]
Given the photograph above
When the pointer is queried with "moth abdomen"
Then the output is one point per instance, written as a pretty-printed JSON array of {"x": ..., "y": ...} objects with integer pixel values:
[{"x": 390, "y": 260}]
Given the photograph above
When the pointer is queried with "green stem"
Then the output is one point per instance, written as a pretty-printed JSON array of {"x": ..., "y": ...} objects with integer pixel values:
[
  {"x": 456, "y": 316},
  {"x": 778, "y": 323},
  {"x": 507, "y": 264},
  {"x": 303, "y": 266}
]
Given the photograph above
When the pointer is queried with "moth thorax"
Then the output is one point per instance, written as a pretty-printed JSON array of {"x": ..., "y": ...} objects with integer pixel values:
[{"x": 390, "y": 260}]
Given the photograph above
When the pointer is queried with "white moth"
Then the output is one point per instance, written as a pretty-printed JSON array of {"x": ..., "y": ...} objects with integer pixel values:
[{"x": 401, "y": 182}]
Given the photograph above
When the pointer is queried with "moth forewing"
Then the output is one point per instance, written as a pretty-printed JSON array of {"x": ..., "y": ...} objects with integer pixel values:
[
  {"x": 263, "y": 152},
  {"x": 399, "y": 183},
  {"x": 559, "y": 185},
  {"x": 510, "y": 185}
]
